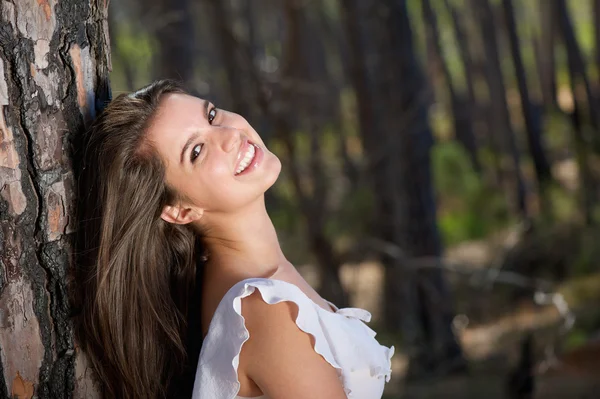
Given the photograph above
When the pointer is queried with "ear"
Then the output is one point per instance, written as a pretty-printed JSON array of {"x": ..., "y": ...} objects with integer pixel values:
[{"x": 180, "y": 215}]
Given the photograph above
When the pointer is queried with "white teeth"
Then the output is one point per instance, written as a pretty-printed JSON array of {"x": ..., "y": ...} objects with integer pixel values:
[{"x": 246, "y": 161}]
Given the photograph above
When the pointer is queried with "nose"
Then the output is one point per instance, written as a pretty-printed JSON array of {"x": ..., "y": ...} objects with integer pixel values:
[{"x": 230, "y": 139}]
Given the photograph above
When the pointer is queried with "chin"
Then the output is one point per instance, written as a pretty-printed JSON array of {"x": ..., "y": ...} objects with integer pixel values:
[{"x": 273, "y": 169}]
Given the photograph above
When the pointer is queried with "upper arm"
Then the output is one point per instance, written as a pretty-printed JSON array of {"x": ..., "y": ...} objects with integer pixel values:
[{"x": 279, "y": 357}]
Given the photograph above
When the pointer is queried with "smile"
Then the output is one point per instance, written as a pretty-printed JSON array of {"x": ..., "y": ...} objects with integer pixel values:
[{"x": 247, "y": 159}]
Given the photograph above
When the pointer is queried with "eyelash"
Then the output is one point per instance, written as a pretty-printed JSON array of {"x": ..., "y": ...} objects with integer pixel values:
[
  {"x": 212, "y": 114},
  {"x": 193, "y": 154}
]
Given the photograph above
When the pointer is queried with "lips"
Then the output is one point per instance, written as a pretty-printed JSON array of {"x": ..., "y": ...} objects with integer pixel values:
[{"x": 249, "y": 157}]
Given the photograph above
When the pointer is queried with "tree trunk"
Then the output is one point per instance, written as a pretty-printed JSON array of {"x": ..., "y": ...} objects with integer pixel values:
[
  {"x": 303, "y": 74},
  {"x": 533, "y": 120},
  {"x": 418, "y": 234},
  {"x": 399, "y": 165},
  {"x": 597, "y": 41},
  {"x": 482, "y": 129},
  {"x": 54, "y": 63},
  {"x": 581, "y": 144},
  {"x": 576, "y": 61},
  {"x": 228, "y": 48},
  {"x": 463, "y": 126},
  {"x": 545, "y": 58},
  {"x": 500, "y": 117},
  {"x": 175, "y": 36}
]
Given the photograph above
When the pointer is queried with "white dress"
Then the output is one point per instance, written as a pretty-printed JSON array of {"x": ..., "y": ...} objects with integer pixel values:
[{"x": 363, "y": 365}]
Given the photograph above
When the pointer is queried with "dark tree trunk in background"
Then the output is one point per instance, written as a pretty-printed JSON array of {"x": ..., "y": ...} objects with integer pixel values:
[
  {"x": 587, "y": 188},
  {"x": 597, "y": 41},
  {"x": 335, "y": 50},
  {"x": 533, "y": 120},
  {"x": 228, "y": 47},
  {"x": 576, "y": 62},
  {"x": 358, "y": 75},
  {"x": 416, "y": 302},
  {"x": 545, "y": 58},
  {"x": 418, "y": 234},
  {"x": 461, "y": 112},
  {"x": 463, "y": 47},
  {"x": 52, "y": 77},
  {"x": 253, "y": 43},
  {"x": 175, "y": 35},
  {"x": 577, "y": 71},
  {"x": 304, "y": 89},
  {"x": 500, "y": 117},
  {"x": 482, "y": 129}
]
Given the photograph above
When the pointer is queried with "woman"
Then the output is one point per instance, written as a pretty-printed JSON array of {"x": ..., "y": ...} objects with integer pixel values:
[{"x": 171, "y": 183}]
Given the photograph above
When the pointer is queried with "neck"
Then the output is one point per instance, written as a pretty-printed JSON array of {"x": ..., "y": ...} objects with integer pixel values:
[{"x": 243, "y": 244}]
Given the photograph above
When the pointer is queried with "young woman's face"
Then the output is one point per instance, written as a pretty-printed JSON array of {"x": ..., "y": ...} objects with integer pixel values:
[{"x": 214, "y": 158}]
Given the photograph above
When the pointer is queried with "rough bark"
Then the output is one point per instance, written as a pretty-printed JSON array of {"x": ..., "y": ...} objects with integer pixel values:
[{"x": 54, "y": 62}]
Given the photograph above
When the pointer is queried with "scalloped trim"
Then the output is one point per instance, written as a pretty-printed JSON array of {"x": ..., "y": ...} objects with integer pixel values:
[
  {"x": 320, "y": 346},
  {"x": 227, "y": 379},
  {"x": 228, "y": 324}
]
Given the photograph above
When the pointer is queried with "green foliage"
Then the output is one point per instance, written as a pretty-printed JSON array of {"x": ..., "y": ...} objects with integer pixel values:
[
  {"x": 134, "y": 48},
  {"x": 582, "y": 18},
  {"x": 467, "y": 209}
]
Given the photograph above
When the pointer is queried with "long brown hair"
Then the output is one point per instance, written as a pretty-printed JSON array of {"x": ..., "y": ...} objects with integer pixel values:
[{"x": 136, "y": 272}]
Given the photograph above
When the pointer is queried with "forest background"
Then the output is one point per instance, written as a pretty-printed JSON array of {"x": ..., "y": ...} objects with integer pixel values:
[{"x": 441, "y": 166}]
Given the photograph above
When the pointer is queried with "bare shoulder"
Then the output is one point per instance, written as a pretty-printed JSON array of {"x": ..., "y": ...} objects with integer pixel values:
[{"x": 280, "y": 358}]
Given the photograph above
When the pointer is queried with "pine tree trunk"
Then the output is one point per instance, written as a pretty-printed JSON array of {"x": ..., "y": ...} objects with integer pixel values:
[
  {"x": 222, "y": 19},
  {"x": 54, "y": 63},
  {"x": 533, "y": 120},
  {"x": 397, "y": 141},
  {"x": 418, "y": 233},
  {"x": 576, "y": 67},
  {"x": 576, "y": 61},
  {"x": 500, "y": 117},
  {"x": 461, "y": 109},
  {"x": 597, "y": 41},
  {"x": 545, "y": 53},
  {"x": 175, "y": 37}
]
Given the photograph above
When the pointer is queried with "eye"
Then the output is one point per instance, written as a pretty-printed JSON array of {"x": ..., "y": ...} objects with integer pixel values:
[
  {"x": 212, "y": 114},
  {"x": 195, "y": 152}
]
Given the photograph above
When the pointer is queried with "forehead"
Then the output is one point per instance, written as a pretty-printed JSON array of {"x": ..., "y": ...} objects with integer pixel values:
[
  {"x": 178, "y": 116},
  {"x": 178, "y": 111}
]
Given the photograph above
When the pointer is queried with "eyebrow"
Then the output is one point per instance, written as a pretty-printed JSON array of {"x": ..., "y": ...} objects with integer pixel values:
[{"x": 193, "y": 137}]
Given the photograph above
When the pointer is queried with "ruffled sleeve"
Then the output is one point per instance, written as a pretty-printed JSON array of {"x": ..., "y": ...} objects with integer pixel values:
[{"x": 216, "y": 375}]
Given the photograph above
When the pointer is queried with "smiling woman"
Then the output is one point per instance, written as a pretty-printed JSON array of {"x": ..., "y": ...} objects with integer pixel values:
[{"x": 173, "y": 189}]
